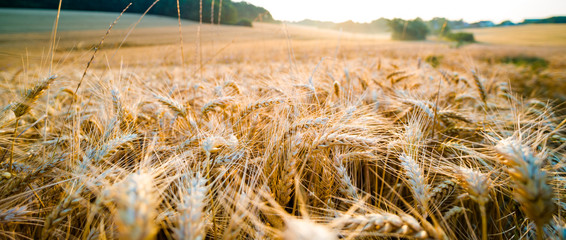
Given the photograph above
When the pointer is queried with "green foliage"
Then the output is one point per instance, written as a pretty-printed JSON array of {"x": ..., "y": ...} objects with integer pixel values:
[
  {"x": 557, "y": 19},
  {"x": 251, "y": 12},
  {"x": 245, "y": 23},
  {"x": 231, "y": 11},
  {"x": 461, "y": 37},
  {"x": 408, "y": 30},
  {"x": 532, "y": 62},
  {"x": 439, "y": 26}
]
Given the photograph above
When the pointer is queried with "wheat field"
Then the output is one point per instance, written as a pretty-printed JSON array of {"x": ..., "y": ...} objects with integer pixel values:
[
  {"x": 278, "y": 132},
  {"x": 529, "y": 35}
]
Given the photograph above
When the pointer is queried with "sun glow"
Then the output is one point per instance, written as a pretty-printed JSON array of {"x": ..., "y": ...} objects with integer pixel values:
[{"x": 366, "y": 10}]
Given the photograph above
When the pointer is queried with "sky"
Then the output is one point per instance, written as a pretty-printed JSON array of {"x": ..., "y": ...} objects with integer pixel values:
[{"x": 368, "y": 10}]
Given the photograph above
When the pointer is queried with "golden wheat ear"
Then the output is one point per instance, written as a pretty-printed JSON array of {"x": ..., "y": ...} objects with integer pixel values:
[
  {"x": 23, "y": 106},
  {"x": 136, "y": 204},
  {"x": 172, "y": 104},
  {"x": 301, "y": 229},
  {"x": 481, "y": 89},
  {"x": 531, "y": 184},
  {"x": 417, "y": 181},
  {"x": 477, "y": 184},
  {"x": 386, "y": 224},
  {"x": 191, "y": 220},
  {"x": 14, "y": 214},
  {"x": 6, "y": 115}
]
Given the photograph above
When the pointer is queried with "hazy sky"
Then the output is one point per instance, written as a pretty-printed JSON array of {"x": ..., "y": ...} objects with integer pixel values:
[{"x": 368, "y": 10}]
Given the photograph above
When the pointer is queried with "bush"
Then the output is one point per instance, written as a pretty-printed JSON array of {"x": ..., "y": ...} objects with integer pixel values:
[
  {"x": 245, "y": 23},
  {"x": 461, "y": 37},
  {"x": 408, "y": 30},
  {"x": 535, "y": 63}
]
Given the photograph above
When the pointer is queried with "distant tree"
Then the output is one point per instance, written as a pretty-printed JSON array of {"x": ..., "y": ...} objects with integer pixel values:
[
  {"x": 461, "y": 37},
  {"x": 408, "y": 30},
  {"x": 245, "y": 23},
  {"x": 252, "y": 12},
  {"x": 506, "y": 23},
  {"x": 561, "y": 19},
  {"x": 379, "y": 25},
  {"x": 482, "y": 24},
  {"x": 232, "y": 12},
  {"x": 439, "y": 26},
  {"x": 458, "y": 24}
]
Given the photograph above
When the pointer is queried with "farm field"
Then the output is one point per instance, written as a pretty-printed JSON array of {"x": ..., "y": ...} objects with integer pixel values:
[
  {"x": 277, "y": 132},
  {"x": 530, "y": 35},
  {"x": 13, "y": 20}
]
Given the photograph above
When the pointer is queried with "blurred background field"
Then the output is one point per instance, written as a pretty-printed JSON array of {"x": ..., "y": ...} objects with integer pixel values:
[
  {"x": 524, "y": 35},
  {"x": 25, "y": 36},
  {"x": 41, "y": 20}
]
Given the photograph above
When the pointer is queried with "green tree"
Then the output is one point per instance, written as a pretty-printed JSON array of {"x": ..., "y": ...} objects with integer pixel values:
[
  {"x": 232, "y": 12},
  {"x": 439, "y": 26},
  {"x": 408, "y": 30}
]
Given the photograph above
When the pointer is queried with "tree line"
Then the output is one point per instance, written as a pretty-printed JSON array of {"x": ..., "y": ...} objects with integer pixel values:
[
  {"x": 230, "y": 12},
  {"x": 418, "y": 29}
]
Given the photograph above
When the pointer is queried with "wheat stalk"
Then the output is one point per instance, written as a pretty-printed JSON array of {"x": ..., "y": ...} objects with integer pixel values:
[
  {"x": 306, "y": 124},
  {"x": 347, "y": 188},
  {"x": 385, "y": 224},
  {"x": 348, "y": 140},
  {"x": 234, "y": 86},
  {"x": 172, "y": 104},
  {"x": 531, "y": 188},
  {"x": 417, "y": 181},
  {"x": 260, "y": 104},
  {"x": 23, "y": 106},
  {"x": 477, "y": 184},
  {"x": 441, "y": 192},
  {"x": 454, "y": 115},
  {"x": 300, "y": 229},
  {"x": 14, "y": 215},
  {"x": 454, "y": 212},
  {"x": 191, "y": 223},
  {"x": 58, "y": 214},
  {"x": 136, "y": 202},
  {"x": 220, "y": 102},
  {"x": 337, "y": 89},
  {"x": 480, "y": 87}
]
